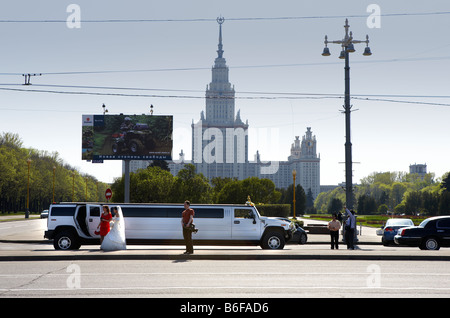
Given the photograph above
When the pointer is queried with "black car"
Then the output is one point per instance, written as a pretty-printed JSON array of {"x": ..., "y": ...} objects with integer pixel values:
[
  {"x": 300, "y": 236},
  {"x": 431, "y": 234}
]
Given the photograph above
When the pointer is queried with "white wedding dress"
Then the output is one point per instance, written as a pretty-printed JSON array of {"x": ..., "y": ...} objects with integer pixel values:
[{"x": 115, "y": 239}]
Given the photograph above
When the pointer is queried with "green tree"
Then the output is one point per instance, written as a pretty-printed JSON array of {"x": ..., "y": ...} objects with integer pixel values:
[
  {"x": 153, "y": 184},
  {"x": 445, "y": 184},
  {"x": 413, "y": 202},
  {"x": 191, "y": 186},
  {"x": 259, "y": 190},
  {"x": 335, "y": 206},
  {"x": 300, "y": 199}
]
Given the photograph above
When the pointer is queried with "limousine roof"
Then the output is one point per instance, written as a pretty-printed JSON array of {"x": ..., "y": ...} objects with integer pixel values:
[{"x": 151, "y": 204}]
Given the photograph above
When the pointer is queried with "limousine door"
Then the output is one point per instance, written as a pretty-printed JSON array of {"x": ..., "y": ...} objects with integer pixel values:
[
  {"x": 245, "y": 225},
  {"x": 92, "y": 218}
]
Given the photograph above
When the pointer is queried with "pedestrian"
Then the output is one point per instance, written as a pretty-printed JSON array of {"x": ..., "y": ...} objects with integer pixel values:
[
  {"x": 187, "y": 218},
  {"x": 350, "y": 226},
  {"x": 334, "y": 225},
  {"x": 105, "y": 218}
]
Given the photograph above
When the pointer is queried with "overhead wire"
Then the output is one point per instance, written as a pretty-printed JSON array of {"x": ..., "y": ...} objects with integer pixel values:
[
  {"x": 262, "y": 95},
  {"x": 400, "y": 14}
]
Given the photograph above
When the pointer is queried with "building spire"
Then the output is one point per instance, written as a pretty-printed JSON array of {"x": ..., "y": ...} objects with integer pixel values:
[{"x": 220, "y": 20}]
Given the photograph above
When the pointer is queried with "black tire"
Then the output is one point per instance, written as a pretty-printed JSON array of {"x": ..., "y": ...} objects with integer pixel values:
[
  {"x": 66, "y": 240},
  {"x": 136, "y": 146},
  {"x": 273, "y": 241},
  {"x": 115, "y": 148},
  {"x": 430, "y": 243},
  {"x": 303, "y": 239}
]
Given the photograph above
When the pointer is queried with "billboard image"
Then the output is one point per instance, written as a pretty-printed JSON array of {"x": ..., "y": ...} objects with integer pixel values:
[{"x": 122, "y": 137}]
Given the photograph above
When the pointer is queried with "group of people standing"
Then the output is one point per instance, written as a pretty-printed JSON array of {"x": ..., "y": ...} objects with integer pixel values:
[
  {"x": 112, "y": 228},
  {"x": 349, "y": 229}
]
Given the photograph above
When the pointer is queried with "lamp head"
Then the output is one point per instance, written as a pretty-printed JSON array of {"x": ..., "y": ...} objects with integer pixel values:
[
  {"x": 350, "y": 48},
  {"x": 326, "y": 52},
  {"x": 367, "y": 51}
]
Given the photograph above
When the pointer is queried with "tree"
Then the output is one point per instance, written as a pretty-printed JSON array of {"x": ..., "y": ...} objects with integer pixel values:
[
  {"x": 49, "y": 178},
  {"x": 300, "y": 199},
  {"x": 191, "y": 186},
  {"x": 445, "y": 184},
  {"x": 232, "y": 193},
  {"x": 309, "y": 199},
  {"x": 413, "y": 202},
  {"x": 218, "y": 183},
  {"x": 259, "y": 190},
  {"x": 444, "y": 203},
  {"x": 153, "y": 184},
  {"x": 335, "y": 206},
  {"x": 366, "y": 204}
]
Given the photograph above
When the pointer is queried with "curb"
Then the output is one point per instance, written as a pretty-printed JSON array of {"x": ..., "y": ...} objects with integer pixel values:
[{"x": 226, "y": 257}]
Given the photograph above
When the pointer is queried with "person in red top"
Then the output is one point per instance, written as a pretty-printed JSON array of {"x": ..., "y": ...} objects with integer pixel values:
[
  {"x": 104, "y": 223},
  {"x": 187, "y": 218}
]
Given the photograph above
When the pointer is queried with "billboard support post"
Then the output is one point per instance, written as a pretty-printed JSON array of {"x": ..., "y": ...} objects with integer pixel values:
[{"x": 127, "y": 182}]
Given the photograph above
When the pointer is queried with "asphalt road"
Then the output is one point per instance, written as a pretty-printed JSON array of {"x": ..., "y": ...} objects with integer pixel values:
[
  {"x": 30, "y": 268},
  {"x": 225, "y": 279}
]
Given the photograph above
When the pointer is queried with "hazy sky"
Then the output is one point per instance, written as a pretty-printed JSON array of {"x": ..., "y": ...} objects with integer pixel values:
[{"x": 273, "y": 49}]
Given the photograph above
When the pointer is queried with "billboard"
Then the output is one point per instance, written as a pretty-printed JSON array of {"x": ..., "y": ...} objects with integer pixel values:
[{"x": 122, "y": 137}]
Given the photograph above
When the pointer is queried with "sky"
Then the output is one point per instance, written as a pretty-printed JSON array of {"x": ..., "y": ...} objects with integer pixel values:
[{"x": 161, "y": 53}]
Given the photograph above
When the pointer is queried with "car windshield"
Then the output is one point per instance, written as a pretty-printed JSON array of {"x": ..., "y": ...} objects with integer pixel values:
[
  {"x": 399, "y": 222},
  {"x": 424, "y": 223}
]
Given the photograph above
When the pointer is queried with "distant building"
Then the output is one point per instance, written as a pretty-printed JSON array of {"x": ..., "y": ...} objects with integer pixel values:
[
  {"x": 220, "y": 141},
  {"x": 420, "y": 169},
  {"x": 136, "y": 165}
]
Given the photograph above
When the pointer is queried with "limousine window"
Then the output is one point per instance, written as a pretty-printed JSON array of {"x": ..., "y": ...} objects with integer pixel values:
[
  {"x": 63, "y": 210},
  {"x": 167, "y": 212},
  {"x": 208, "y": 213},
  {"x": 94, "y": 211},
  {"x": 243, "y": 213}
]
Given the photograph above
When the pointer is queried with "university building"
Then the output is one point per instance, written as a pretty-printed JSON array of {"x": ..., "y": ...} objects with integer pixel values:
[{"x": 220, "y": 141}]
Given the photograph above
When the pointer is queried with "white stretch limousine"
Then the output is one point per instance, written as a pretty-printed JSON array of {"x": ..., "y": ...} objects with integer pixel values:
[{"x": 71, "y": 224}]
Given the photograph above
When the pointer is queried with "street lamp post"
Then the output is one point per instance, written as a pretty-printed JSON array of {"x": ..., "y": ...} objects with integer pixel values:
[
  {"x": 53, "y": 196},
  {"x": 294, "y": 174},
  {"x": 73, "y": 185},
  {"x": 27, "y": 212},
  {"x": 347, "y": 47}
]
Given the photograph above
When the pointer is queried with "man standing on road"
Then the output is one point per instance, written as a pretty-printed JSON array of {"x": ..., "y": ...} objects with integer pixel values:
[
  {"x": 187, "y": 218},
  {"x": 350, "y": 226},
  {"x": 334, "y": 226}
]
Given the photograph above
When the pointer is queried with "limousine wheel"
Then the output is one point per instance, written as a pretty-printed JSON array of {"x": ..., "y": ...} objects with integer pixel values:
[
  {"x": 65, "y": 240},
  {"x": 273, "y": 241}
]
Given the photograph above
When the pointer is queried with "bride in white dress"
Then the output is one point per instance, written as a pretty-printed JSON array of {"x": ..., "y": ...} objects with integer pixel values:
[{"x": 115, "y": 239}]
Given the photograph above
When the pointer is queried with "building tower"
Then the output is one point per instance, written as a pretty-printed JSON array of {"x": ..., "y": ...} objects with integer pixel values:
[{"x": 220, "y": 138}]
